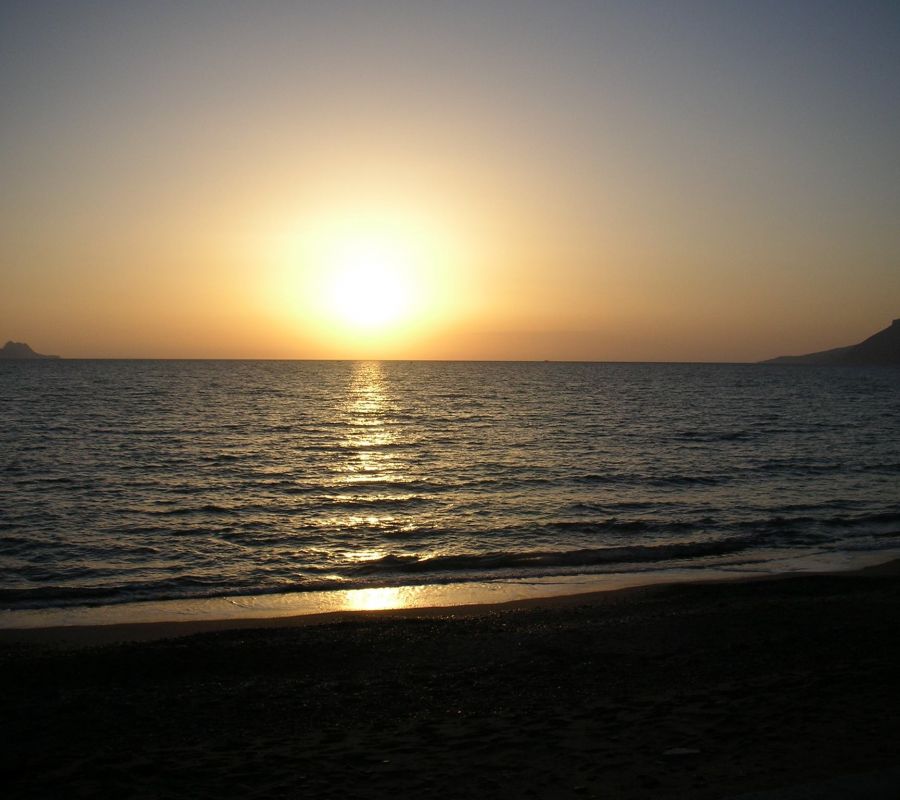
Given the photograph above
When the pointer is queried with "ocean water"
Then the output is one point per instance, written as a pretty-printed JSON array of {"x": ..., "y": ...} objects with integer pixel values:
[{"x": 125, "y": 481}]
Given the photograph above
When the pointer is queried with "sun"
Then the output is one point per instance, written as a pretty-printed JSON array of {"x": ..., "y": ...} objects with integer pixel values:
[{"x": 369, "y": 282}]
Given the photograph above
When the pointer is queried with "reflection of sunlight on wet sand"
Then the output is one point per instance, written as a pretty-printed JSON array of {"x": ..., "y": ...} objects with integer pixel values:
[
  {"x": 375, "y": 599},
  {"x": 449, "y": 596}
]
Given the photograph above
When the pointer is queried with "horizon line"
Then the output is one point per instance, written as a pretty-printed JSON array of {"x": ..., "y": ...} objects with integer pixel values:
[{"x": 391, "y": 360}]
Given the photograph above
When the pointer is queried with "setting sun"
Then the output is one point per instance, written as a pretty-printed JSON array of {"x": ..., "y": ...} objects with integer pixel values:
[
  {"x": 369, "y": 282},
  {"x": 420, "y": 398},
  {"x": 354, "y": 278}
]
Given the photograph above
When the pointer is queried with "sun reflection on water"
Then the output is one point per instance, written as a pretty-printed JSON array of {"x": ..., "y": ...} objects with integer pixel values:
[
  {"x": 368, "y": 434},
  {"x": 366, "y": 455}
]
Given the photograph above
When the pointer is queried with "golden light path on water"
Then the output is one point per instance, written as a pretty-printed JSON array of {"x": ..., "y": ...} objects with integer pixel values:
[
  {"x": 367, "y": 470},
  {"x": 368, "y": 458}
]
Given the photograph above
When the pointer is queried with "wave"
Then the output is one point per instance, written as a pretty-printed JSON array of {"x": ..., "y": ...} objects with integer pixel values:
[
  {"x": 356, "y": 502},
  {"x": 886, "y": 517},
  {"x": 388, "y": 570},
  {"x": 206, "y": 508},
  {"x": 656, "y": 481},
  {"x": 888, "y": 467},
  {"x": 785, "y": 523},
  {"x": 552, "y": 558},
  {"x": 715, "y": 436},
  {"x": 39, "y": 596},
  {"x": 630, "y": 525}
]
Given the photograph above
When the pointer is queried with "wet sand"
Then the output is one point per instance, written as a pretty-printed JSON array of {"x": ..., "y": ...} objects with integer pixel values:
[{"x": 703, "y": 690}]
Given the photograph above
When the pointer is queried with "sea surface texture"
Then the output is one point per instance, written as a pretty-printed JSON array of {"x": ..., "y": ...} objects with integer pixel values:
[{"x": 137, "y": 480}]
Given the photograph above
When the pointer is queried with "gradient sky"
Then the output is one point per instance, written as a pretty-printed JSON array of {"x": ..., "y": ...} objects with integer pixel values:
[{"x": 577, "y": 180}]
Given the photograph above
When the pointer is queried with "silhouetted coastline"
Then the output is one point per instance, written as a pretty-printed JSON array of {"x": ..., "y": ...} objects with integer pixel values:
[
  {"x": 880, "y": 348},
  {"x": 20, "y": 351}
]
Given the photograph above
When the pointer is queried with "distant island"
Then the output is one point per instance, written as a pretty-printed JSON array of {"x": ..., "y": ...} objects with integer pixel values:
[
  {"x": 881, "y": 348},
  {"x": 20, "y": 350}
]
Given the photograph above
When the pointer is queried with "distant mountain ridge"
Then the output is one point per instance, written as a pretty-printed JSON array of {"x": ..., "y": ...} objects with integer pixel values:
[
  {"x": 20, "y": 350},
  {"x": 880, "y": 348}
]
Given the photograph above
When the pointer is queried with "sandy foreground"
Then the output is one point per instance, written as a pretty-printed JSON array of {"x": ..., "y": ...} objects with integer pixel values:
[{"x": 706, "y": 690}]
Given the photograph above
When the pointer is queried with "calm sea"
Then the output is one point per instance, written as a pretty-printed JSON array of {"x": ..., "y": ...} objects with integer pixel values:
[{"x": 146, "y": 480}]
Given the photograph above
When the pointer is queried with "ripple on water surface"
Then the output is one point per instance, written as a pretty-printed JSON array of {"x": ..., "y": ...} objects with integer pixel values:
[{"x": 126, "y": 481}]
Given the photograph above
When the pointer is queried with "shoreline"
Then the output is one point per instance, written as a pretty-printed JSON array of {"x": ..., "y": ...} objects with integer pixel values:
[
  {"x": 705, "y": 689},
  {"x": 614, "y": 587}
]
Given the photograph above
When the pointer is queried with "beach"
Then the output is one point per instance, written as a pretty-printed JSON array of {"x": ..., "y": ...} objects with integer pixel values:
[
  {"x": 706, "y": 690},
  {"x": 469, "y": 401}
]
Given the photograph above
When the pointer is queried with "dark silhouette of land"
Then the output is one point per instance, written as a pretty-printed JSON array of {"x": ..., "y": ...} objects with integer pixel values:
[
  {"x": 882, "y": 348},
  {"x": 20, "y": 350}
]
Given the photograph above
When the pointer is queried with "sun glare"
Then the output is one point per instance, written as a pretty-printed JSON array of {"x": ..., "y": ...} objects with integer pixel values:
[
  {"x": 369, "y": 282},
  {"x": 366, "y": 284}
]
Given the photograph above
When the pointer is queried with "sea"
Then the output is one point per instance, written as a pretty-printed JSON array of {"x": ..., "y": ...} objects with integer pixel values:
[{"x": 175, "y": 483}]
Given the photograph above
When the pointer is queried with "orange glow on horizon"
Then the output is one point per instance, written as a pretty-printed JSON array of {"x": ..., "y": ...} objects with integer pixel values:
[
  {"x": 358, "y": 280},
  {"x": 450, "y": 181}
]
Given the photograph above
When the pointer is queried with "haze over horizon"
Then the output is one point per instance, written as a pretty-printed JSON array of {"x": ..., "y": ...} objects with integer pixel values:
[{"x": 499, "y": 180}]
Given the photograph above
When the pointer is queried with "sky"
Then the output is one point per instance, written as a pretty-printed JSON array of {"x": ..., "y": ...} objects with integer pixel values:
[{"x": 627, "y": 181}]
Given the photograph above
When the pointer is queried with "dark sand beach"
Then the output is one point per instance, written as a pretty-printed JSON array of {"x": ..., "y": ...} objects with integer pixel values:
[{"x": 705, "y": 690}]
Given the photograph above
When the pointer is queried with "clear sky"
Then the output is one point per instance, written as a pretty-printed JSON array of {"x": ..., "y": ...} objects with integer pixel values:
[{"x": 560, "y": 180}]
